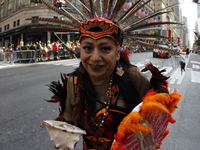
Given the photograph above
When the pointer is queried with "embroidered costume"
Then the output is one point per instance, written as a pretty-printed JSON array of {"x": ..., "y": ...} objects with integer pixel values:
[{"x": 101, "y": 136}]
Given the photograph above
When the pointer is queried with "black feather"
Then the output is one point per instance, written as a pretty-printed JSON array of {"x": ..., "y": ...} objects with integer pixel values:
[
  {"x": 59, "y": 91},
  {"x": 158, "y": 80}
]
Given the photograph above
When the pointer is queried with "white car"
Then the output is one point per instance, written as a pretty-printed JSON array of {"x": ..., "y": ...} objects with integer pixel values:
[
  {"x": 176, "y": 48},
  {"x": 157, "y": 53}
]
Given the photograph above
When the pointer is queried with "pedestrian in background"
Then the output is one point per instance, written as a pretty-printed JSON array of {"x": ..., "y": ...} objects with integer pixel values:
[
  {"x": 45, "y": 51},
  {"x": 49, "y": 46},
  {"x": 187, "y": 52},
  {"x": 21, "y": 43},
  {"x": 55, "y": 48}
]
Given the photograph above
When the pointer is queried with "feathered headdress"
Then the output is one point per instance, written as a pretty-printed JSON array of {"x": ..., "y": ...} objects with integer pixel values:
[{"x": 108, "y": 18}]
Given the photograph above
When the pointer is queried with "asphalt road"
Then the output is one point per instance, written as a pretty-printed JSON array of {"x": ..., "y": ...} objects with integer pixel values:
[{"x": 22, "y": 105}]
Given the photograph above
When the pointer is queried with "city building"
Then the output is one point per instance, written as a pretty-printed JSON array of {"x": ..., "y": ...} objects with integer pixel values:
[
  {"x": 14, "y": 26},
  {"x": 173, "y": 31},
  {"x": 185, "y": 34}
]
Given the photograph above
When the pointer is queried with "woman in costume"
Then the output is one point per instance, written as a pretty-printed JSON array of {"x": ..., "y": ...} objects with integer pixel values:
[{"x": 105, "y": 87}]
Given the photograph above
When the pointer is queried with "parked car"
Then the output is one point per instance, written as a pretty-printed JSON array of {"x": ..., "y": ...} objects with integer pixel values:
[
  {"x": 176, "y": 48},
  {"x": 136, "y": 49},
  {"x": 183, "y": 50},
  {"x": 157, "y": 53}
]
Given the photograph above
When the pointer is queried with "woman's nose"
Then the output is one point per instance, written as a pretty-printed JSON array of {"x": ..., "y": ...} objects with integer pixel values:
[{"x": 96, "y": 55}]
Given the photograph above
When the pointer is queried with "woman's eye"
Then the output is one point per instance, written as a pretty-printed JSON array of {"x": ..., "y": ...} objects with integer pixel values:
[
  {"x": 105, "y": 49},
  {"x": 87, "y": 48}
]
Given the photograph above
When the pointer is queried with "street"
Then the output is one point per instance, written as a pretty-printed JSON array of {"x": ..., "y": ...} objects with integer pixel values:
[{"x": 23, "y": 107}]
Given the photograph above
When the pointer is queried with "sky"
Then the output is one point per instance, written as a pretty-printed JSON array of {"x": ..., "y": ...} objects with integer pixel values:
[{"x": 189, "y": 9}]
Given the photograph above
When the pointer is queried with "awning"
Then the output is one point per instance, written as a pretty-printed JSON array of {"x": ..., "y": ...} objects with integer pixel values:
[
  {"x": 12, "y": 31},
  {"x": 38, "y": 28},
  {"x": 49, "y": 29}
]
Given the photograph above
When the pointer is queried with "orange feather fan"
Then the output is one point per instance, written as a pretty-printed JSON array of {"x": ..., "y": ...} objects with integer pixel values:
[{"x": 139, "y": 126}]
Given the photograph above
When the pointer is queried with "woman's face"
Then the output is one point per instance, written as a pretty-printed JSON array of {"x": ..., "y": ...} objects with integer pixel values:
[{"x": 99, "y": 58}]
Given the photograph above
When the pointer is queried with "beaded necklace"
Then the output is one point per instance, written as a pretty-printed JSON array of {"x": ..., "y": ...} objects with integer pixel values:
[{"x": 107, "y": 101}]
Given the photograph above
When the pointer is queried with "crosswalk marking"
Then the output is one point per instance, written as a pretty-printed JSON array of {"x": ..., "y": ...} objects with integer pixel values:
[
  {"x": 195, "y": 66},
  {"x": 178, "y": 76},
  {"x": 195, "y": 76},
  {"x": 195, "y": 62},
  {"x": 180, "y": 79}
]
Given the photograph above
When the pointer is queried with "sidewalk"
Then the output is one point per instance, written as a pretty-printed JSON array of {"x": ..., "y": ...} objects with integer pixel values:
[{"x": 6, "y": 64}]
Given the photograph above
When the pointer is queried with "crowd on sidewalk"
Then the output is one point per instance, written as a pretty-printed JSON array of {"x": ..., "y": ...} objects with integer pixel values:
[{"x": 44, "y": 50}]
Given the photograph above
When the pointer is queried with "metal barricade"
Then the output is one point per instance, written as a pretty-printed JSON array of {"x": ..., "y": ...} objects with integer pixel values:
[
  {"x": 24, "y": 55},
  {"x": 1, "y": 56},
  {"x": 8, "y": 57}
]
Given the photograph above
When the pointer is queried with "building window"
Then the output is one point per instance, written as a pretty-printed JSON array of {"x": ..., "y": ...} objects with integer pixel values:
[
  {"x": 18, "y": 22},
  {"x": 0, "y": 30},
  {"x": 2, "y": 10},
  {"x": 9, "y": 6},
  {"x": 5, "y": 27},
  {"x": 14, "y": 24},
  {"x": 19, "y": 2},
  {"x": 8, "y": 26},
  {"x": 35, "y": 19}
]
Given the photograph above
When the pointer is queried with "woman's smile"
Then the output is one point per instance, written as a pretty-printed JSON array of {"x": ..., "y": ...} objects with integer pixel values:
[{"x": 96, "y": 67}]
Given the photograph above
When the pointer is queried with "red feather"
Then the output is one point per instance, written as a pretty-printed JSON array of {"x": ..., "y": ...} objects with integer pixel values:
[{"x": 126, "y": 53}]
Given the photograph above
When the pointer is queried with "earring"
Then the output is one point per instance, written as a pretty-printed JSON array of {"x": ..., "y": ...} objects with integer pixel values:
[{"x": 120, "y": 70}]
